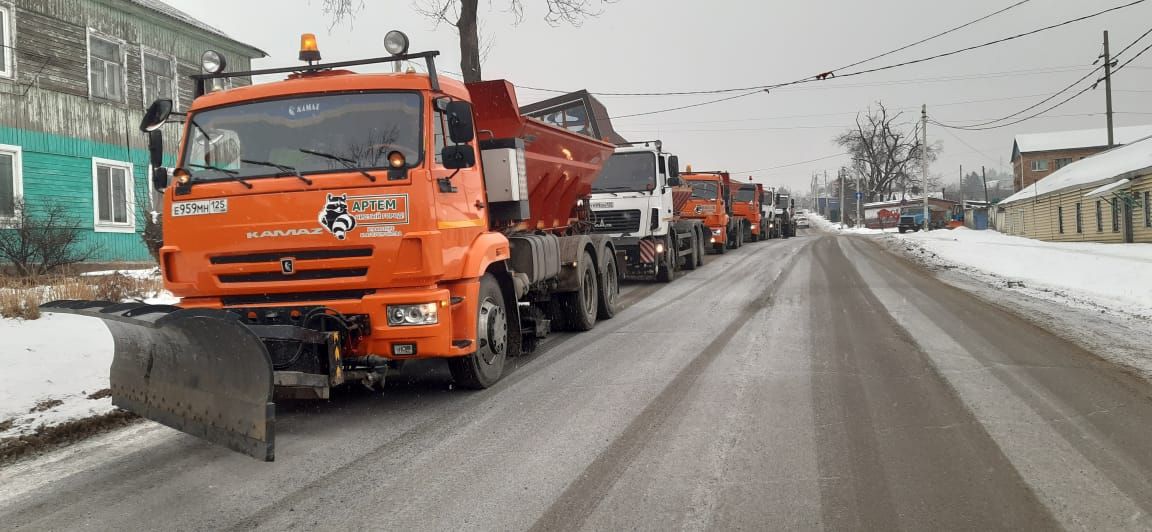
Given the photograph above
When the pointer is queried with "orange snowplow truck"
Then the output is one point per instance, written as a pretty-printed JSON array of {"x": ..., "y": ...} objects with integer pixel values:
[
  {"x": 746, "y": 207},
  {"x": 322, "y": 229},
  {"x": 711, "y": 201}
]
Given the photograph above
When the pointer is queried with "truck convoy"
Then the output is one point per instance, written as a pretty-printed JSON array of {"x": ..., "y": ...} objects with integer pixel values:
[
  {"x": 710, "y": 200},
  {"x": 636, "y": 202},
  {"x": 323, "y": 228}
]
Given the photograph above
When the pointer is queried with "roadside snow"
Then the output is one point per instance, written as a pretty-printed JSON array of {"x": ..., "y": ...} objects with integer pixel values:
[
  {"x": 146, "y": 273},
  {"x": 58, "y": 357},
  {"x": 1110, "y": 276},
  {"x": 822, "y": 223}
]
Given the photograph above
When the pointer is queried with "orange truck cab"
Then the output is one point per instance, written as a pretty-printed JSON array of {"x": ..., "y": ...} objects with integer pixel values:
[
  {"x": 710, "y": 201},
  {"x": 746, "y": 198},
  {"x": 324, "y": 228}
]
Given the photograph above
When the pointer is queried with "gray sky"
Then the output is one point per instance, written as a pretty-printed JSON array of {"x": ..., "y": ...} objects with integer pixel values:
[{"x": 645, "y": 45}]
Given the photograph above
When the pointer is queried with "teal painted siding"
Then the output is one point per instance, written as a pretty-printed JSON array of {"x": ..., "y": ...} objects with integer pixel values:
[{"x": 59, "y": 169}]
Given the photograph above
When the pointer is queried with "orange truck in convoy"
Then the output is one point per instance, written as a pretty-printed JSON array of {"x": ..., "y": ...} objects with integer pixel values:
[
  {"x": 746, "y": 205},
  {"x": 711, "y": 201},
  {"x": 324, "y": 228}
]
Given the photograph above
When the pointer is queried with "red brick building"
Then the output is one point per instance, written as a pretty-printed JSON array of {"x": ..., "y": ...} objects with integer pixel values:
[{"x": 1036, "y": 155}]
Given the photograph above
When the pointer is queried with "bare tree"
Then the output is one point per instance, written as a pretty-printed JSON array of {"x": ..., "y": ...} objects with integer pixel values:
[
  {"x": 464, "y": 16},
  {"x": 886, "y": 153},
  {"x": 41, "y": 240}
]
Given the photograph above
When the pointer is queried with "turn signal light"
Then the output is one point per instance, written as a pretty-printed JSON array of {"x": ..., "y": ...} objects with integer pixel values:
[
  {"x": 309, "y": 50},
  {"x": 182, "y": 176}
]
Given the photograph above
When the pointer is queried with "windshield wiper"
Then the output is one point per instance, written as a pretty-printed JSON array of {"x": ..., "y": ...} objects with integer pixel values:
[
  {"x": 233, "y": 174},
  {"x": 281, "y": 167},
  {"x": 348, "y": 163}
]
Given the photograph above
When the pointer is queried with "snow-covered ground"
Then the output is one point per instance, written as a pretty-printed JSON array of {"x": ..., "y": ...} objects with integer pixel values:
[
  {"x": 822, "y": 223},
  {"x": 53, "y": 365},
  {"x": 1107, "y": 276}
]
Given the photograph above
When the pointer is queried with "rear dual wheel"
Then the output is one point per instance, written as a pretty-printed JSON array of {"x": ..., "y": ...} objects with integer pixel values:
[
  {"x": 577, "y": 310},
  {"x": 609, "y": 289}
]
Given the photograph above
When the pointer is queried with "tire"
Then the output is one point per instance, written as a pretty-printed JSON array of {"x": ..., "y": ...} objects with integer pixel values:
[
  {"x": 485, "y": 366},
  {"x": 668, "y": 273},
  {"x": 700, "y": 248},
  {"x": 692, "y": 259},
  {"x": 578, "y": 309},
  {"x": 902, "y": 230},
  {"x": 609, "y": 292}
]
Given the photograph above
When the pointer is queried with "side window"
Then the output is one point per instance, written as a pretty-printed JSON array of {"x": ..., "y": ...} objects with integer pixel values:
[
  {"x": 1099, "y": 217},
  {"x": 158, "y": 78},
  {"x": 6, "y": 70},
  {"x": 1147, "y": 211},
  {"x": 112, "y": 196},
  {"x": 1060, "y": 218},
  {"x": 1079, "y": 222},
  {"x": 439, "y": 140},
  {"x": 10, "y": 184},
  {"x": 1114, "y": 206},
  {"x": 106, "y": 69}
]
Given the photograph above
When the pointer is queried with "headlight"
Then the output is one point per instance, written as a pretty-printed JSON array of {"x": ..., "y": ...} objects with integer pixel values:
[
  {"x": 417, "y": 314},
  {"x": 717, "y": 231},
  {"x": 395, "y": 42},
  {"x": 659, "y": 248}
]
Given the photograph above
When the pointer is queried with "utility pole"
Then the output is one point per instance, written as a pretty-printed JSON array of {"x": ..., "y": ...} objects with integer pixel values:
[
  {"x": 841, "y": 176},
  {"x": 984, "y": 177},
  {"x": 963, "y": 190},
  {"x": 924, "y": 163},
  {"x": 859, "y": 200},
  {"x": 827, "y": 196},
  {"x": 1108, "y": 89}
]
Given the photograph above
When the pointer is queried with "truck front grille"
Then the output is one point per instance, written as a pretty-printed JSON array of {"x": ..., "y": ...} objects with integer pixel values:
[
  {"x": 303, "y": 275},
  {"x": 309, "y": 254},
  {"x": 627, "y": 221}
]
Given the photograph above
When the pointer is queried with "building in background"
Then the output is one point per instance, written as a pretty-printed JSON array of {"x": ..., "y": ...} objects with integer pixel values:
[
  {"x": 1037, "y": 155},
  {"x": 75, "y": 78},
  {"x": 1103, "y": 198}
]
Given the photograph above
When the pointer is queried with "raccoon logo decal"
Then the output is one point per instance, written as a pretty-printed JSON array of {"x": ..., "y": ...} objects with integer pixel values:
[{"x": 335, "y": 217}]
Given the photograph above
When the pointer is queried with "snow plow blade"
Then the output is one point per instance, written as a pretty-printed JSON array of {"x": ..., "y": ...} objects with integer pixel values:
[{"x": 199, "y": 371}]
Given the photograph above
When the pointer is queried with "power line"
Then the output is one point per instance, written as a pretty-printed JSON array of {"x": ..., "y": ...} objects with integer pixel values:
[
  {"x": 791, "y": 164},
  {"x": 758, "y": 91}
]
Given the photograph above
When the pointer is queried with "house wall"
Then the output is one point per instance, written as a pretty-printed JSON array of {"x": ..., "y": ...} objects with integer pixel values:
[
  {"x": 1022, "y": 166},
  {"x": 47, "y": 111},
  {"x": 1039, "y": 218}
]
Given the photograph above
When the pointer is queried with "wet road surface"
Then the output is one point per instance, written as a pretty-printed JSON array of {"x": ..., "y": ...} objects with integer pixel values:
[{"x": 817, "y": 382}]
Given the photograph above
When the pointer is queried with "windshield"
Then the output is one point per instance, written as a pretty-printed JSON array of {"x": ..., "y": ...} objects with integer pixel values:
[
  {"x": 704, "y": 189},
  {"x": 745, "y": 194},
  {"x": 274, "y": 137},
  {"x": 627, "y": 172}
]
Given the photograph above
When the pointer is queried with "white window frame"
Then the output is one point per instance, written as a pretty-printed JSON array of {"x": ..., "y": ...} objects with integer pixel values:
[
  {"x": 122, "y": 46},
  {"x": 129, "y": 198},
  {"x": 145, "y": 51},
  {"x": 7, "y": 45},
  {"x": 1039, "y": 165},
  {"x": 17, "y": 154}
]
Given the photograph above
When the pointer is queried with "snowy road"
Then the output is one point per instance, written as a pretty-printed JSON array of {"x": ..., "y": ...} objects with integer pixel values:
[{"x": 816, "y": 382}]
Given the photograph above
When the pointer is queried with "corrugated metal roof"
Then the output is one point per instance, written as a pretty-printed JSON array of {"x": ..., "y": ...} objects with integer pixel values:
[
  {"x": 1080, "y": 138},
  {"x": 1108, "y": 166},
  {"x": 180, "y": 16}
]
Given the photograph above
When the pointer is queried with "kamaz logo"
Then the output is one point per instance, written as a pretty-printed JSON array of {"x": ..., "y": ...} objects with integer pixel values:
[{"x": 277, "y": 233}]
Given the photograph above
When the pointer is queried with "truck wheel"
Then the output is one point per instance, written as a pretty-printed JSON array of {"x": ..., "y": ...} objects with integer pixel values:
[
  {"x": 902, "y": 230},
  {"x": 720, "y": 248},
  {"x": 692, "y": 259},
  {"x": 578, "y": 309},
  {"x": 668, "y": 273},
  {"x": 700, "y": 249},
  {"x": 485, "y": 366},
  {"x": 609, "y": 289}
]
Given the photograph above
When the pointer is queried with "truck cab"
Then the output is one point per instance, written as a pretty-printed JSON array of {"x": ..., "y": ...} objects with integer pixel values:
[
  {"x": 634, "y": 202},
  {"x": 785, "y": 216},
  {"x": 746, "y": 204},
  {"x": 710, "y": 201}
]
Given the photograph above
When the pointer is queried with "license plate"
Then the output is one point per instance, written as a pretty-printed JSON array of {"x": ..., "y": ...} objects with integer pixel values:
[
  {"x": 196, "y": 208},
  {"x": 602, "y": 205}
]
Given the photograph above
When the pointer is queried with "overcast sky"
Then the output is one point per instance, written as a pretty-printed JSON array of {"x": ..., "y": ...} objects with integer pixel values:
[{"x": 647, "y": 45}]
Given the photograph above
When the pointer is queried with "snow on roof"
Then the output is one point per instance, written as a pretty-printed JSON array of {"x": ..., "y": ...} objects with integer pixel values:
[
  {"x": 164, "y": 9},
  {"x": 1081, "y": 138},
  {"x": 1108, "y": 166}
]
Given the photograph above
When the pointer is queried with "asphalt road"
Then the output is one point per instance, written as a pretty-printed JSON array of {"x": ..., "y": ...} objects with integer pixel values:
[{"x": 816, "y": 382}]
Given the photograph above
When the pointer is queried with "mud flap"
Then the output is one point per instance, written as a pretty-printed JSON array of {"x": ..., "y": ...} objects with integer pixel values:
[{"x": 200, "y": 371}]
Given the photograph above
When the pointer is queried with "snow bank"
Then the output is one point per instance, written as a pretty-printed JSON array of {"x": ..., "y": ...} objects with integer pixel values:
[
  {"x": 57, "y": 358},
  {"x": 146, "y": 273},
  {"x": 822, "y": 223},
  {"x": 1113, "y": 276}
]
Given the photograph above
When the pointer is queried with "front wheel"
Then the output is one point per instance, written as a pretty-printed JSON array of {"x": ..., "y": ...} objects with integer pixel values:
[
  {"x": 485, "y": 366},
  {"x": 667, "y": 274}
]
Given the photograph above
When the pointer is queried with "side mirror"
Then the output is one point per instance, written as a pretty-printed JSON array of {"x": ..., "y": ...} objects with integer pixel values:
[
  {"x": 673, "y": 167},
  {"x": 458, "y": 156},
  {"x": 156, "y": 115},
  {"x": 675, "y": 181},
  {"x": 159, "y": 178},
  {"x": 156, "y": 148},
  {"x": 460, "y": 126}
]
